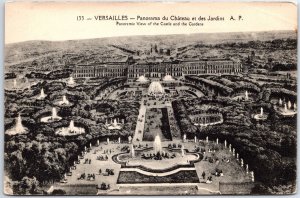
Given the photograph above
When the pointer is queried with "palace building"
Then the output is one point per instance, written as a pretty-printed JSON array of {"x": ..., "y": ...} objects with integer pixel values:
[{"x": 154, "y": 69}]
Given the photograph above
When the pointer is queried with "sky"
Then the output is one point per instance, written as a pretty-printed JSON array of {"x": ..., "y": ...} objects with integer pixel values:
[{"x": 57, "y": 21}]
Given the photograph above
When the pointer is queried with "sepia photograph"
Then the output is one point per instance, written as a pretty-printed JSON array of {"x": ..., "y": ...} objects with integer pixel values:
[{"x": 150, "y": 98}]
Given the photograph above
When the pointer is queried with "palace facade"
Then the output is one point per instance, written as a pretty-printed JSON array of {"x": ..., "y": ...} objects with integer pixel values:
[{"x": 158, "y": 69}]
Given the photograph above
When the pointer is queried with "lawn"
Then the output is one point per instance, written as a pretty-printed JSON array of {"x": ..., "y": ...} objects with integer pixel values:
[{"x": 157, "y": 123}]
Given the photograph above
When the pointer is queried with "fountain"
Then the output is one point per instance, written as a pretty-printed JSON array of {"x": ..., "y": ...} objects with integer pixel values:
[
  {"x": 155, "y": 89},
  {"x": 157, "y": 145},
  {"x": 246, "y": 96},
  {"x": 285, "y": 107},
  {"x": 42, "y": 95},
  {"x": 233, "y": 152},
  {"x": 54, "y": 113},
  {"x": 247, "y": 168},
  {"x": 289, "y": 104},
  {"x": 119, "y": 140},
  {"x": 98, "y": 143},
  {"x": 54, "y": 117},
  {"x": 155, "y": 156},
  {"x": 129, "y": 139},
  {"x": 182, "y": 150},
  {"x": 142, "y": 79},
  {"x": 71, "y": 81},
  {"x": 252, "y": 176},
  {"x": 15, "y": 84},
  {"x": 18, "y": 128},
  {"x": 237, "y": 156},
  {"x": 168, "y": 78},
  {"x": 184, "y": 137},
  {"x": 230, "y": 147},
  {"x": 64, "y": 101},
  {"x": 280, "y": 102},
  {"x": 107, "y": 140},
  {"x": 115, "y": 122},
  {"x": 205, "y": 120},
  {"x": 261, "y": 115},
  {"x": 90, "y": 145},
  {"x": 225, "y": 143},
  {"x": 114, "y": 125},
  {"x": 287, "y": 110},
  {"x": 242, "y": 162},
  {"x": 207, "y": 139},
  {"x": 70, "y": 130},
  {"x": 132, "y": 151},
  {"x": 195, "y": 139},
  {"x": 217, "y": 140},
  {"x": 71, "y": 126}
]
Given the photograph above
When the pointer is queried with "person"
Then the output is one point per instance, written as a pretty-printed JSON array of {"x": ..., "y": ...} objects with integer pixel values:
[
  {"x": 100, "y": 171},
  {"x": 203, "y": 175}
]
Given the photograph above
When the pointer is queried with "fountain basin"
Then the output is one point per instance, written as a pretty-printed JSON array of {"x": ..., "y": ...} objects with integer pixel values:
[
  {"x": 285, "y": 112},
  {"x": 153, "y": 165},
  {"x": 40, "y": 97},
  {"x": 50, "y": 119},
  {"x": 208, "y": 120},
  {"x": 63, "y": 103},
  {"x": 114, "y": 125},
  {"x": 16, "y": 131},
  {"x": 243, "y": 99},
  {"x": 66, "y": 131},
  {"x": 260, "y": 117},
  {"x": 53, "y": 118},
  {"x": 70, "y": 130},
  {"x": 210, "y": 124}
]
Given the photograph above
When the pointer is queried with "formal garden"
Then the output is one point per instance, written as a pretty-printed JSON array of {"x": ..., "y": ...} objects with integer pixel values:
[{"x": 63, "y": 132}]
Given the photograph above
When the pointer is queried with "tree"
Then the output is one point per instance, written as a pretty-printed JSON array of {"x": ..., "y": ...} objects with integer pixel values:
[{"x": 28, "y": 185}]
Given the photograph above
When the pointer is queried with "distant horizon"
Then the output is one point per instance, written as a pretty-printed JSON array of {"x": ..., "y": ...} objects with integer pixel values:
[{"x": 153, "y": 35}]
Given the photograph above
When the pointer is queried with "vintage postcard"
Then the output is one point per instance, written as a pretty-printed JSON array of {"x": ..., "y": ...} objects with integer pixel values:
[{"x": 150, "y": 98}]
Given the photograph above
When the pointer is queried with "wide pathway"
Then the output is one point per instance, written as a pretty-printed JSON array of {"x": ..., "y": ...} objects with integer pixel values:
[
  {"x": 95, "y": 165},
  {"x": 139, "y": 129}
]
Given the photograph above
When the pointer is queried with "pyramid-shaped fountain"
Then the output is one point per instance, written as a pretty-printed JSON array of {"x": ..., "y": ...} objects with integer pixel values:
[{"x": 18, "y": 128}]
